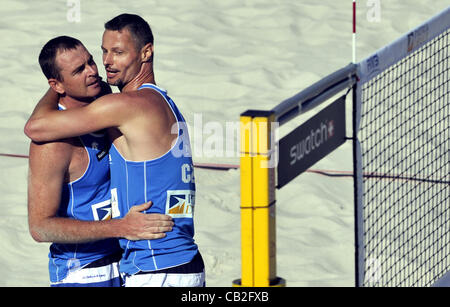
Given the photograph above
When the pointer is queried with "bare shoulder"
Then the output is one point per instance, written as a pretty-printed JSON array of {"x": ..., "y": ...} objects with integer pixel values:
[
  {"x": 136, "y": 97},
  {"x": 109, "y": 104},
  {"x": 148, "y": 99},
  {"x": 52, "y": 153},
  {"x": 122, "y": 107},
  {"x": 116, "y": 99}
]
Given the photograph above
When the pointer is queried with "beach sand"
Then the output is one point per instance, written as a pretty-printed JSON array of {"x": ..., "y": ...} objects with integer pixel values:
[{"x": 216, "y": 59}]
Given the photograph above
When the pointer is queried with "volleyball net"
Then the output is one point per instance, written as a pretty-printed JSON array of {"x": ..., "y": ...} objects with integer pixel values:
[{"x": 402, "y": 155}]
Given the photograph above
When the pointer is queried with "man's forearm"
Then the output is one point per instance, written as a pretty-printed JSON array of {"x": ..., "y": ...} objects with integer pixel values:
[
  {"x": 134, "y": 226},
  {"x": 66, "y": 230},
  {"x": 34, "y": 126},
  {"x": 48, "y": 102}
]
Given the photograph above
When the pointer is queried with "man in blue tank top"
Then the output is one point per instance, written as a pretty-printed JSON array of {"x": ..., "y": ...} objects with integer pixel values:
[
  {"x": 149, "y": 159},
  {"x": 69, "y": 197}
]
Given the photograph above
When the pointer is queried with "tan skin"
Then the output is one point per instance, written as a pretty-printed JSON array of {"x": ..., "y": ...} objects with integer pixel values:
[
  {"x": 140, "y": 122},
  {"x": 52, "y": 164}
]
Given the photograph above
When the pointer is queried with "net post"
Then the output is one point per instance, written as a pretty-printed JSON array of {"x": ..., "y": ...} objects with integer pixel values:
[
  {"x": 258, "y": 224},
  {"x": 247, "y": 265},
  {"x": 354, "y": 33},
  {"x": 357, "y": 186}
]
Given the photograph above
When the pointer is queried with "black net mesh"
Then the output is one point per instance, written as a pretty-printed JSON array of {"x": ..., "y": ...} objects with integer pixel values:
[{"x": 405, "y": 141}]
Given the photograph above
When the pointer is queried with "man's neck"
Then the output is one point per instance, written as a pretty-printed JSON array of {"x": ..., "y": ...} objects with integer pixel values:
[{"x": 145, "y": 75}]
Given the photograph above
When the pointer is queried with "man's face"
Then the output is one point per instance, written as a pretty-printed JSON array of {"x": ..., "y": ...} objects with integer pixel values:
[
  {"x": 120, "y": 57},
  {"x": 79, "y": 73}
]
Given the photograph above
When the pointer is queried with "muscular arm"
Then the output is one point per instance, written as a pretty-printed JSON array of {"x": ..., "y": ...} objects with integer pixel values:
[
  {"x": 49, "y": 102},
  {"x": 47, "y": 167},
  {"x": 140, "y": 115},
  {"x": 47, "y": 123}
]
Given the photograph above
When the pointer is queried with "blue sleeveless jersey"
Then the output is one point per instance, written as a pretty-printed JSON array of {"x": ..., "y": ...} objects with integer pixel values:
[
  {"x": 87, "y": 198},
  {"x": 168, "y": 182}
]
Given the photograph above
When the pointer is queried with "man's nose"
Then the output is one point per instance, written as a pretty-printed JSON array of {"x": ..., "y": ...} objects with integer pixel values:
[
  {"x": 93, "y": 70},
  {"x": 107, "y": 59}
]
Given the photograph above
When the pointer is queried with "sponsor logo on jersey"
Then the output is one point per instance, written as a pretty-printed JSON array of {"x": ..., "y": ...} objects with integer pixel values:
[
  {"x": 102, "y": 211},
  {"x": 180, "y": 203},
  {"x": 100, "y": 155},
  {"x": 114, "y": 203}
]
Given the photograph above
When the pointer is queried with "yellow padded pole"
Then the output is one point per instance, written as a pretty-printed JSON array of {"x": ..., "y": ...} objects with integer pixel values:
[{"x": 258, "y": 225}]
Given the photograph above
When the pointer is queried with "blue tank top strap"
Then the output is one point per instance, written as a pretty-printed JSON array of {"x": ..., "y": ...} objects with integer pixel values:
[
  {"x": 153, "y": 86},
  {"x": 169, "y": 100}
]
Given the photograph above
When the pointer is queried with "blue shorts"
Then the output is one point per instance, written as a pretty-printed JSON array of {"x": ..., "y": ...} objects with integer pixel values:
[{"x": 101, "y": 273}]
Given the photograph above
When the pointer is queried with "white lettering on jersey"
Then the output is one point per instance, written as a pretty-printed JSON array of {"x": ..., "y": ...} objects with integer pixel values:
[{"x": 187, "y": 173}]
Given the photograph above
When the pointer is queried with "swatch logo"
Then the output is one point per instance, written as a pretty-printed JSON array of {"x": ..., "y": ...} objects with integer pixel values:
[{"x": 313, "y": 141}]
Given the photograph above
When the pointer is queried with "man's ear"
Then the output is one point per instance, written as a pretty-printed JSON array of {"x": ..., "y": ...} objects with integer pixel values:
[
  {"x": 56, "y": 86},
  {"x": 147, "y": 53}
]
